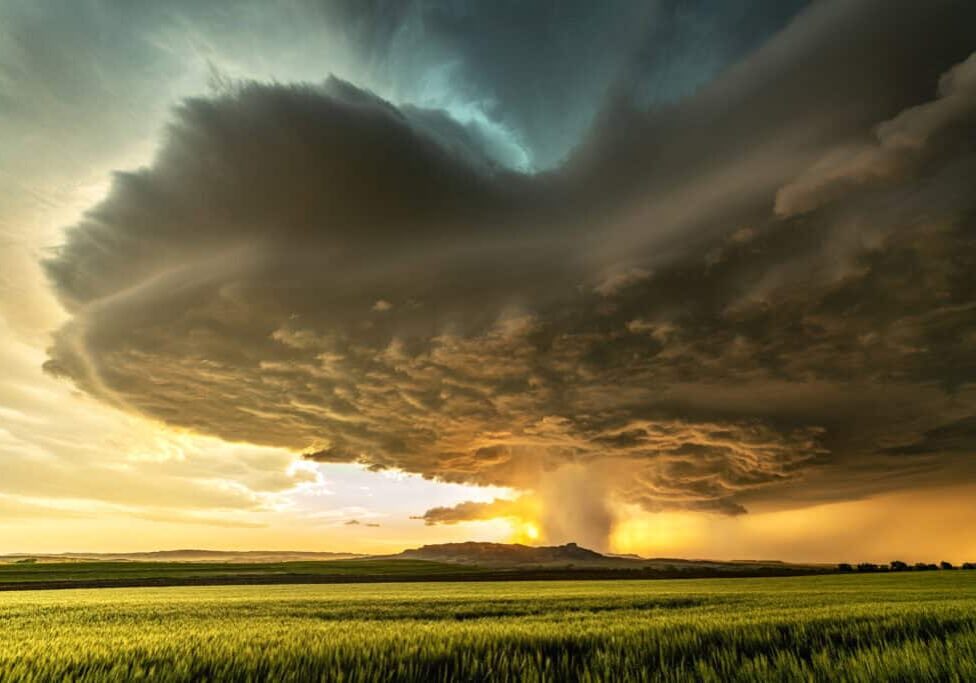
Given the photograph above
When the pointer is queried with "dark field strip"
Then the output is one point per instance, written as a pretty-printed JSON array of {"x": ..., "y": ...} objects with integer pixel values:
[
  {"x": 77, "y": 570},
  {"x": 59, "y": 576}
]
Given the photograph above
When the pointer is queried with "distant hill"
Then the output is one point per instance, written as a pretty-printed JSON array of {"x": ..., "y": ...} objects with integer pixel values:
[
  {"x": 188, "y": 555},
  {"x": 504, "y": 553}
]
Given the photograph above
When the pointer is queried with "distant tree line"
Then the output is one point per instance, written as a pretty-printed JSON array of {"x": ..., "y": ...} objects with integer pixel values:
[{"x": 899, "y": 566}]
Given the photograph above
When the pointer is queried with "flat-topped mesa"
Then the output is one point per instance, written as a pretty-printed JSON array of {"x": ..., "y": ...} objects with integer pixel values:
[{"x": 493, "y": 553}]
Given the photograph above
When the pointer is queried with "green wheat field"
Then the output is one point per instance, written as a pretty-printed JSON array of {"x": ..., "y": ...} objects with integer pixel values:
[{"x": 900, "y": 627}]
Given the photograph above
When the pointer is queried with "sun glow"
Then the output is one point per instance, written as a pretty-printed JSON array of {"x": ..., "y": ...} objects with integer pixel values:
[
  {"x": 661, "y": 533},
  {"x": 525, "y": 532}
]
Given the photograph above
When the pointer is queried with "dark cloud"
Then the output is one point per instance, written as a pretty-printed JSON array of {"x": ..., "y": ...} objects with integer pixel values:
[
  {"x": 462, "y": 56},
  {"x": 713, "y": 301},
  {"x": 901, "y": 143},
  {"x": 954, "y": 437}
]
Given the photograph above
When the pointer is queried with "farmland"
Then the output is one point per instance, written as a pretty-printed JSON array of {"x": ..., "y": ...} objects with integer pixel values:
[
  {"x": 108, "y": 574},
  {"x": 911, "y": 626},
  {"x": 450, "y": 562}
]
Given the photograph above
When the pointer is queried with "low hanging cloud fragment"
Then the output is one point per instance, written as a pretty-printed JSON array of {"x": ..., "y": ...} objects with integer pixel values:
[
  {"x": 471, "y": 510},
  {"x": 698, "y": 322}
]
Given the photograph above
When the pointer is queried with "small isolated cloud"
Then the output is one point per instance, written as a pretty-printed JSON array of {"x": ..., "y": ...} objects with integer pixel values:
[{"x": 472, "y": 511}]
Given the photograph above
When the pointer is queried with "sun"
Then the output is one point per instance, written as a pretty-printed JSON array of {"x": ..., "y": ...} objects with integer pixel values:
[
  {"x": 530, "y": 531},
  {"x": 524, "y": 532}
]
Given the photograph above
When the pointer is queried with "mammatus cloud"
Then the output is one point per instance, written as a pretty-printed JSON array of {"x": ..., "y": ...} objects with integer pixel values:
[{"x": 694, "y": 313}]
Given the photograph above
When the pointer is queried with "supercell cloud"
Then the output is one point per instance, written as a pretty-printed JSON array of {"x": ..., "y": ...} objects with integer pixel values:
[{"x": 677, "y": 279}]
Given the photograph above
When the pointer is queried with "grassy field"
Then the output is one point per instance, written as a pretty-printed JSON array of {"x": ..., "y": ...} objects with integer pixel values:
[{"x": 901, "y": 627}]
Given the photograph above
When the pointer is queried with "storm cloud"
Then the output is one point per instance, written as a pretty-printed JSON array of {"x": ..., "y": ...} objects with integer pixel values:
[{"x": 722, "y": 294}]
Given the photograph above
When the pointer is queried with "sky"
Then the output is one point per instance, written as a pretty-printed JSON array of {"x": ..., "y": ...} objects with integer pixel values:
[{"x": 677, "y": 278}]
